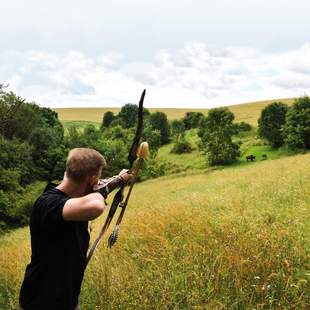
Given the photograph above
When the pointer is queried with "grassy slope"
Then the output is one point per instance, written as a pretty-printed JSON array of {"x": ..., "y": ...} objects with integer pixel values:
[
  {"x": 248, "y": 112},
  {"x": 236, "y": 238}
]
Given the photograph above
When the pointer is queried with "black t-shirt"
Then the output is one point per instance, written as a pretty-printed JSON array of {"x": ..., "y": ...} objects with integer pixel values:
[{"x": 54, "y": 276}]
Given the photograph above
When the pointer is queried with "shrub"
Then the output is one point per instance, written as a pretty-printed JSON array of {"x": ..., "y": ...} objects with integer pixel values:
[
  {"x": 297, "y": 126},
  {"x": 153, "y": 168},
  {"x": 271, "y": 121},
  {"x": 107, "y": 119},
  {"x": 216, "y": 137},
  {"x": 182, "y": 146},
  {"x": 177, "y": 128},
  {"x": 192, "y": 120},
  {"x": 159, "y": 121},
  {"x": 129, "y": 114},
  {"x": 242, "y": 126}
]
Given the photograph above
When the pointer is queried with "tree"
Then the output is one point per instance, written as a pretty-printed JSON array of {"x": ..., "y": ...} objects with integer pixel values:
[
  {"x": 177, "y": 129},
  {"x": 46, "y": 151},
  {"x": 216, "y": 137},
  {"x": 182, "y": 146},
  {"x": 153, "y": 137},
  {"x": 192, "y": 119},
  {"x": 108, "y": 117},
  {"x": 159, "y": 121},
  {"x": 297, "y": 126},
  {"x": 242, "y": 126},
  {"x": 17, "y": 156},
  {"x": 31, "y": 144},
  {"x": 129, "y": 114},
  {"x": 271, "y": 121}
]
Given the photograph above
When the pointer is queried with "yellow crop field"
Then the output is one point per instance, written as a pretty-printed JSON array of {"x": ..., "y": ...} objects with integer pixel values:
[
  {"x": 248, "y": 112},
  {"x": 232, "y": 238}
]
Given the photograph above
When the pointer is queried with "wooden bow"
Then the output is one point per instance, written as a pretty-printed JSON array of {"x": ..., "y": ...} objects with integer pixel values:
[{"x": 136, "y": 151}]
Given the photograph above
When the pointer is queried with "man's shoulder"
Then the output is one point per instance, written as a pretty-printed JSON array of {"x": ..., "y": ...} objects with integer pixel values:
[
  {"x": 50, "y": 194},
  {"x": 49, "y": 186}
]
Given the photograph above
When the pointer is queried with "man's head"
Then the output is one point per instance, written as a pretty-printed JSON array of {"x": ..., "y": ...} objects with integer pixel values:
[{"x": 84, "y": 166}]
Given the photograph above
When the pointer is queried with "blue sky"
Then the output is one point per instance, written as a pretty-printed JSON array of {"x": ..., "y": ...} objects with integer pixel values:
[{"x": 185, "y": 53}]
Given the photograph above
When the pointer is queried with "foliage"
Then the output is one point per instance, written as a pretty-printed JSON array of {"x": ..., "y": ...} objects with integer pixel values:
[
  {"x": 129, "y": 114},
  {"x": 153, "y": 168},
  {"x": 117, "y": 122},
  {"x": 192, "y": 119},
  {"x": 153, "y": 137},
  {"x": 271, "y": 121},
  {"x": 297, "y": 125},
  {"x": 216, "y": 137},
  {"x": 177, "y": 128},
  {"x": 182, "y": 146},
  {"x": 107, "y": 119},
  {"x": 18, "y": 156},
  {"x": 31, "y": 143},
  {"x": 159, "y": 121},
  {"x": 16, "y": 201},
  {"x": 242, "y": 127}
]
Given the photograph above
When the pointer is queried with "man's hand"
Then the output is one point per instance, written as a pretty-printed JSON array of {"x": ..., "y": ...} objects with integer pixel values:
[
  {"x": 126, "y": 175},
  {"x": 105, "y": 186}
]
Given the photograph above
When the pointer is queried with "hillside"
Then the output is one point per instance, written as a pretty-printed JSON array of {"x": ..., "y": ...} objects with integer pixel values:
[
  {"x": 236, "y": 238},
  {"x": 248, "y": 112}
]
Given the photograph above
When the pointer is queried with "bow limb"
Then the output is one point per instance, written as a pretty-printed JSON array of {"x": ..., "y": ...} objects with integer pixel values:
[
  {"x": 136, "y": 141},
  {"x": 117, "y": 201},
  {"x": 142, "y": 154}
]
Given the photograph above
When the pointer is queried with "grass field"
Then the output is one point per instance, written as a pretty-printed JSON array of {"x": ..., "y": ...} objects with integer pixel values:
[
  {"x": 236, "y": 238},
  {"x": 248, "y": 112}
]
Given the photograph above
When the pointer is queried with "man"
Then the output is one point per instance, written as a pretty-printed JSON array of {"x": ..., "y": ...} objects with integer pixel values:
[{"x": 59, "y": 232}]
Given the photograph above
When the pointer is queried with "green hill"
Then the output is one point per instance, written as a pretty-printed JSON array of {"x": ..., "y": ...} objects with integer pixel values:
[{"x": 233, "y": 238}]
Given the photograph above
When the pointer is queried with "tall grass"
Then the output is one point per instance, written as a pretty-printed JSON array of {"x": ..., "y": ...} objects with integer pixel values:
[{"x": 235, "y": 238}]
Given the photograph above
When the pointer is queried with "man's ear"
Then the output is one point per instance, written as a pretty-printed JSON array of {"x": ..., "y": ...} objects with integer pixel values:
[{"x": 93, "y": 180}]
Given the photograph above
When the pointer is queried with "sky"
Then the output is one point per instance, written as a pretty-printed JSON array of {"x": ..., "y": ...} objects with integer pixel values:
[{"x": 196, "y": 53}]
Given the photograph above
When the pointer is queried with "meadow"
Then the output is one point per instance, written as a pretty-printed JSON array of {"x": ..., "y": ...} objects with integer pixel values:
[
  {"x": 233, "y": 238},
  {"x": 247, "y": 112}
]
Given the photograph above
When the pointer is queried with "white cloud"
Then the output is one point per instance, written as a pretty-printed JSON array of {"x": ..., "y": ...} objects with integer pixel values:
[{"x": 194, "y": 76}]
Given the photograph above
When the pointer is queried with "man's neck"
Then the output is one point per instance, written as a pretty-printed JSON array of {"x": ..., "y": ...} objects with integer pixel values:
[{"x": 71, "y": 188}]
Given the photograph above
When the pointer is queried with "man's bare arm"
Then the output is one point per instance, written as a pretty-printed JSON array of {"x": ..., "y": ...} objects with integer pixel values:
[{"x": 84, "y": 208}]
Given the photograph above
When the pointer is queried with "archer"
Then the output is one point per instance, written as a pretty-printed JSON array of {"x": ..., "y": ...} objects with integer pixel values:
[{"x": 59, "y": 232}]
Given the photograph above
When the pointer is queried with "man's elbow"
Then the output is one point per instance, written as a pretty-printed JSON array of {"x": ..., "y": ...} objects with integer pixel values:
[{"x": 96, "y": 209}]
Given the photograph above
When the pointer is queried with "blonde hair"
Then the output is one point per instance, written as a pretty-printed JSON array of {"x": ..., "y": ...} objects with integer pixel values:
[{"x": 83, "y": 162}]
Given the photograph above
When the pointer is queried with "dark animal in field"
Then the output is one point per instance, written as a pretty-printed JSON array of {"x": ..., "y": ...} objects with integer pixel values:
[
  {"x": 264, "y": 157},
  {"x": 250, "y": 157}
]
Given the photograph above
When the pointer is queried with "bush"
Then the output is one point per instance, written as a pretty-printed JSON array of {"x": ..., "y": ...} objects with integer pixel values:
[
  {"x": 242, "y": 126},
  {"x": 129, "y": 115},
  {"x": 216, "y": 137},
  {"x": 177, "y": 128},
  {"x": 192, "y": 120},
  {"x": 16, "y": 206},
  {"x": 182, "y": 146},
  {"x": 153, "y": 137},
  {"x": 297, "y": 126},
  {"x": 153, "y": 168},
  {"x": 107, "y": 119},
  {"x": 159, "y": 121},
  {"x": 271, "y": 121}
]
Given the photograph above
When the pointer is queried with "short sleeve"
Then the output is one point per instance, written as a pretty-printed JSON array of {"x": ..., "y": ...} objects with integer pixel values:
[{"x": 50, "y": 210}]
